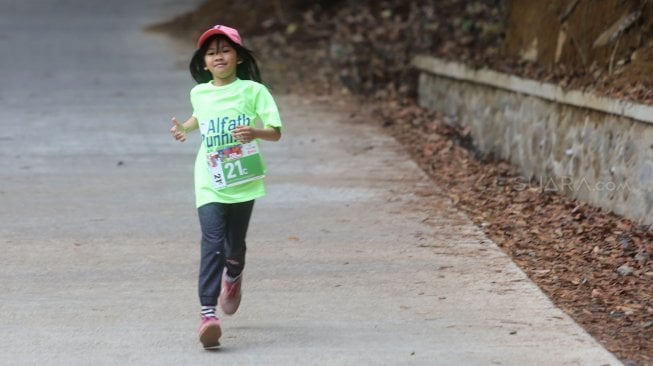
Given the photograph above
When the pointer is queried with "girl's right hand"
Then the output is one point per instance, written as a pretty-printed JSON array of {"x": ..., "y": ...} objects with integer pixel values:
[{"x": 178, "y": 131}]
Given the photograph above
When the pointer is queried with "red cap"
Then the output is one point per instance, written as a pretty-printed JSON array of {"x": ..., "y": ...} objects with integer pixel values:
[{"x": 231, "y": 33}]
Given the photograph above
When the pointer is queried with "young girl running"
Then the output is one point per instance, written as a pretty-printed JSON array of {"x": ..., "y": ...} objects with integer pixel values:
[{"x": 232, "y": 110}]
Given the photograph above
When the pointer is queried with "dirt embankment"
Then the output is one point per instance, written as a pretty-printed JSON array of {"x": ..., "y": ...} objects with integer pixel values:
[
  {"x": 366, "y": 46},
  {"x": 603, "y": 46}
]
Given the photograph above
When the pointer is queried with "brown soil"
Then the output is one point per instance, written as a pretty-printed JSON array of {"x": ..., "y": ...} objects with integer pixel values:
[
  {"x": 361, "y": 50},
  {"x": 586, "y": 44}
]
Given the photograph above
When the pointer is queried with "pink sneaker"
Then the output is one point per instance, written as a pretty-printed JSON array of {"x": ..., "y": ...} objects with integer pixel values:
[
  {"x": 230, "y": 294},
  {"x": 210, "y": 332}
]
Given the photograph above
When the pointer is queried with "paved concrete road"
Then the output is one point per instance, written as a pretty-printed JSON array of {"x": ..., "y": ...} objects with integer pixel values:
[{"x": 355, "y": 259}]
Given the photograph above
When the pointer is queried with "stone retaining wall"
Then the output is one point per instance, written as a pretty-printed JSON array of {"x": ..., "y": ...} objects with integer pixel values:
[{"x": 596, "y": 149}]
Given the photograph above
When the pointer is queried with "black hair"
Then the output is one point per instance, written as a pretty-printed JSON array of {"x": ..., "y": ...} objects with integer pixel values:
[{"x": 246, "y": 70}]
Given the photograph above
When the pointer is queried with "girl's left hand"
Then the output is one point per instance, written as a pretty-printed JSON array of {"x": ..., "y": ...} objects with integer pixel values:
[{"x": 243, "y": 134}]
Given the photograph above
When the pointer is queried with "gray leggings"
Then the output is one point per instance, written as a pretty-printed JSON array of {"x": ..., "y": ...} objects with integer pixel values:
[{"x": 224, "y": 227}]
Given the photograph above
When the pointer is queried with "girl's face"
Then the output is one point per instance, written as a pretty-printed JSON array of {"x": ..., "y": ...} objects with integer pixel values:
[{"x": 221, "y": 60}]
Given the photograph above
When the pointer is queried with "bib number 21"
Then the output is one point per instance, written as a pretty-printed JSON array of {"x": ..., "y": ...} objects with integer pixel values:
[
  {"x": 235, "y": 169},
  {"x": 235, "y": 165}
]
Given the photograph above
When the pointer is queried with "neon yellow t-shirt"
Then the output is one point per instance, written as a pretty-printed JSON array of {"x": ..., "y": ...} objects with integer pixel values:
[{"x": 219, "y": 109}]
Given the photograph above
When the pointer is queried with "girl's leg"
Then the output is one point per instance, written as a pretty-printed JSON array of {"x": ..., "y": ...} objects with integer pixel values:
[
  {"x": 237, "y": 222},
  {"x": 213, "y": 221}
]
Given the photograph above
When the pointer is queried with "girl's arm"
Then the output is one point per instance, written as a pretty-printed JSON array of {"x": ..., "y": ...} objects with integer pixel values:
[
  {"x": 246, "y": 134},
  {"x": 179, "y": 130}
]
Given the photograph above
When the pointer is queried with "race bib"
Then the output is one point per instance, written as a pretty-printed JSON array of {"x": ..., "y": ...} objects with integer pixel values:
[{"x": 235, "y": 165}]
